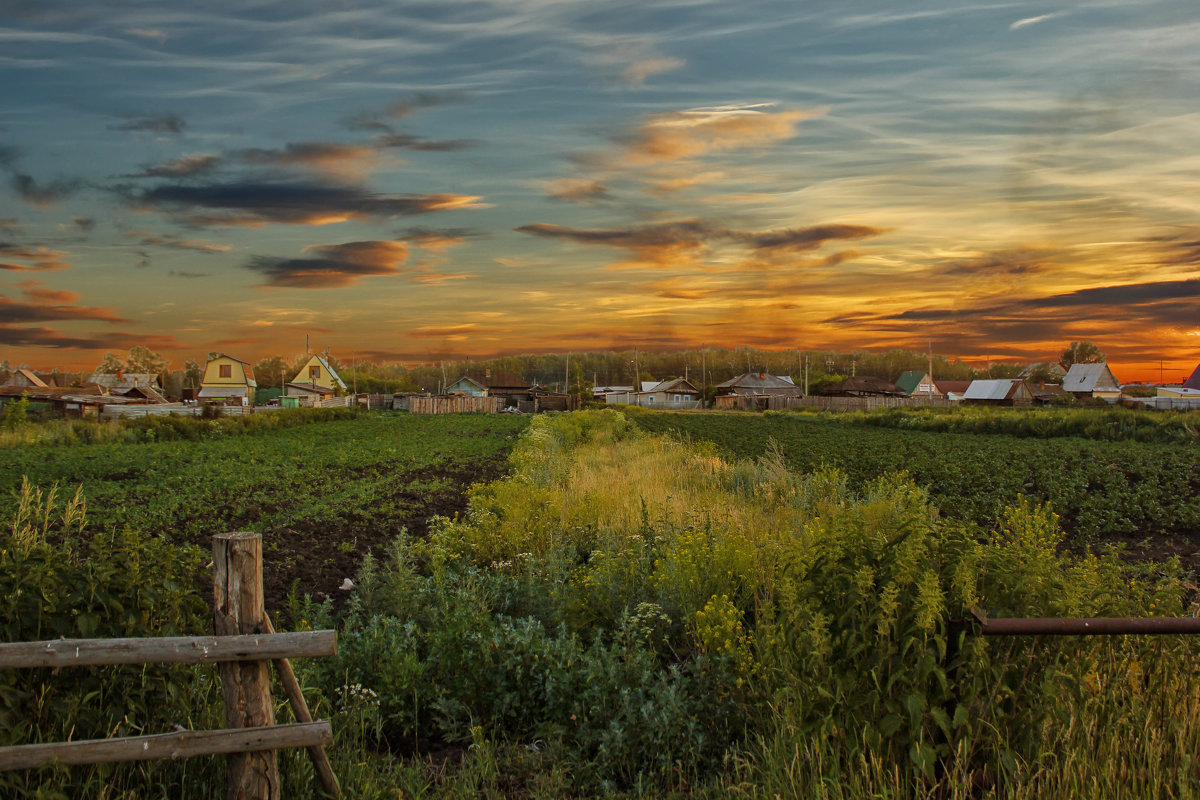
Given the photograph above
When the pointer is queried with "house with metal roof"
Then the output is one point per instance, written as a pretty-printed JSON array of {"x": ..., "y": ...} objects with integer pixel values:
[
  {"x": 999, "y": 392},
  {"x": 953, "y": 390},
  {"x": 315, "y": 380},
  {"x": 1092, "y": 380},
  {"x": 25, "y": 378},
  {"x": 918, "y": 383},
  {"x": 759, "y": 383},
  {"x": 229, "y": 379},
  {"x": 673, "y": 393}
]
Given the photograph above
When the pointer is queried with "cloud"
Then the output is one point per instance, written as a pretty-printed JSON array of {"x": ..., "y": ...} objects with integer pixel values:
[
  {"x": 404, "y": 107},
  {"x": 637, "y": 72},
  {"x": 181, "y": 167},
  {"x": 38, "y": 293},
  {"x": 163, "y": 124},
  {"x": 44, "y": 260},
  {"x": 148, "y": 239},
  {"x": 578, "y": 190},
  {"x": 48, "y": 337},
  {"x": 85, "y": 224},
  {"x": 14, "y": 311},
  {"x": 45, "y": 195},
  {"x": 148, "y": 33},
  {"x": 185, "y": 274},
  {"x": 290, "y": 203},
  {"x": 9, "y": 224},
  {"x": 336, "y": 264},
  {"x": 1027, "y": 21},
  {"x": 674, "y": 243},
  {"x": 404, "y": 141},
  {"x": 454, "y": 333},
  {"x": 677, "y": 135},
  {"x": 343, "y": 161}
]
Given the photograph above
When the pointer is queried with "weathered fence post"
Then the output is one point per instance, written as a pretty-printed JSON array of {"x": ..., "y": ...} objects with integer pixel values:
[{"x": 238, "y": 609}]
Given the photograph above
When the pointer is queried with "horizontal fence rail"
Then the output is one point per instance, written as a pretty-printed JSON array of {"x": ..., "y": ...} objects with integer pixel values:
[
  {"x": 167, "y": 650},
  {"x": 181, "y": 744},
  {"x": 980, "y": 624}
]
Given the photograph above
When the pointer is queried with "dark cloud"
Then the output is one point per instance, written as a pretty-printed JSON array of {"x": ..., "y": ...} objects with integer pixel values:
[
  {"x": 404, "y": 141},
  {"x": 155, "y": 240},
  {"x": 182, "y": 167},
  {"x": 290, "y": 203},
  {"x": 8, "y": 155},
  {"x": 44, "y": 195},
  {"x": 373, "y": 119},
  {"x": 578, "y": 190},
  {"x": 84, "y": 224},
  {"x": 185, "y": 274},
  {"x": 1127, "y": 294},
  {"x": 661, "y": 242},
  {"x": 1003, "y": 263},
  {"x": 9, "y": 224},
  {"x": 48, "y": 337},
  {"x": 164, "y": 123},
  {"x": 336, "y": 265},
  {"x": 14, "y": 311}
]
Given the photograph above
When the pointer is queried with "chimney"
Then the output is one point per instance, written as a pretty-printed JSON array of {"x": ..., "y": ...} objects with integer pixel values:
[
  {"x": 762, "y": 376},
  {"x": 487, "y": 374},
  {"x": 120, "y": 375}
]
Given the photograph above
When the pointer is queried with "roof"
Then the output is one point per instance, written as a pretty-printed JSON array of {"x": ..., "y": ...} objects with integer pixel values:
[
  {"x": 675, "y": 385},
  {"x": 231, "y": 358},
  {"x": 862, "y": 384},
  {"x": 952, "y": 387},
  {"x": 648, "y": 386},
  {"x": 1194, "y": 381},
  {"x": 1056, "y": 369},
  {"x": 909, "y": 380},
  {"x": 311, "y": 388},
  {"x": 758, "y": 383},
  {"x": 468, "y": 379},
  {"x": 28, "y": 375},
  {"x": 124, "y": 380},
  {"x": 1089, "y": 378},
  {"x": 992, "y": 389},
  {"x": 148, "y": 393}
]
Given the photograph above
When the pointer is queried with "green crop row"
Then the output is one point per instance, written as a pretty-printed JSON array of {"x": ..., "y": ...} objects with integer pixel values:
[{"x": 1098, "y": 488}]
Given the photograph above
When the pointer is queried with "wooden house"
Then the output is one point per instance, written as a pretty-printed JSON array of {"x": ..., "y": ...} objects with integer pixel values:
[
  {"x": 675, "y": 393},
  {"x": 228, "y": 379},
  {"x": 918, "y": 383},
  {"x": 1092, "y": 380},
  {"x": 316, "y": 380},
  {"x": 466, "y": 385},
  {"x": 999, "y": 392},
  {"x": 758, "y": 384}
]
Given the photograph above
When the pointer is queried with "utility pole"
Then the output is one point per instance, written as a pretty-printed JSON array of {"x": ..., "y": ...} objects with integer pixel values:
[
  {"x": 806, "y": 374},
  {"x": 930, "y": 391}
]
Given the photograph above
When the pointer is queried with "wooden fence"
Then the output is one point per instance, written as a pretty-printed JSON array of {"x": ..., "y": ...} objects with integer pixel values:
[
  {"x": 454, "y": 404},
  {"x": 244, "y": 644}
]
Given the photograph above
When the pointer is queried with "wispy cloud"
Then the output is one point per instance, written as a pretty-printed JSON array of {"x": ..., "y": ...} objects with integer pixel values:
[
  {"x": 158, "y": 240},
  {"x": 578, "y": 190},
  {"x": 1027, "y": 21},
  {"x": 41, "y": 259},
  {"x": 341, "y": 161},
  {"x": 677, "y": 135},
  {"x": 165, "y": 124},
  {"x": 637, "y": 72},
  {"x": 184, "y": 166}
]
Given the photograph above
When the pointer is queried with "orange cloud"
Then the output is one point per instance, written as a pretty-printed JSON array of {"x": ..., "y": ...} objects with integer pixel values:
[
  {"x": 36, "y": 292},
  {"x": 677, "y": 135},
  {"x": 43, "y": 260},
  {"x": 342, "y": 161}
]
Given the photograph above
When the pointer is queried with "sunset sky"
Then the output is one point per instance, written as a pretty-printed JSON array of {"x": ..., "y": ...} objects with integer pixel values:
[{"x": 407, "y": 181}]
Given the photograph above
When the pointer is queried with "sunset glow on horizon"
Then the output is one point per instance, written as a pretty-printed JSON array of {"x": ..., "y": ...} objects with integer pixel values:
[{"x": 411, "y": 181}]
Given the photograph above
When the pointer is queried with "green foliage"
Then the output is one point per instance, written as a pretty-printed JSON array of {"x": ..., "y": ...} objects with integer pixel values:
[
  {"x": 16, "y": 412},
  {"x": 1098, "y": 488}
]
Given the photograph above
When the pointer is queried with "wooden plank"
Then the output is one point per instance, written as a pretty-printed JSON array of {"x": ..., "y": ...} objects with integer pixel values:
[
  {"x": 245, "y": 685},
  {"x": 167, "y": 649},
  {"x": 182, "y": 744},
  {"x": 316, "y": 753}
]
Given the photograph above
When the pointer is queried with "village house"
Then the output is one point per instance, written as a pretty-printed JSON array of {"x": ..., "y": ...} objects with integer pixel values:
[
  {"x": 863, "y": 386},
  {"x": 1092, "y": 380},
  {"x": 673, "y": 393},
  {"x": 759, "y": 384},
  {"x": 316, "y": 380},
  {"x": 24, "y": 378},
  {"x": 228, "y": 379},
  {"x": 468, "y": 386},
  {"x": 918, "y": 383},
  {"x": 998, "y": 392}
]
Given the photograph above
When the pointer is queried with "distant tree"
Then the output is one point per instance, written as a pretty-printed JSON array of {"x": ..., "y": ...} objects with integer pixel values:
[
  {"x": 5, "y": 370},
  {"x": 111, "y": 364},
  {"x": 271, "y": 373},
  {"x": 1044, "y": 373},
  {"x": 1082, "y": 352},
  {"x": 998, "y": 370},
  {"x": 193, "y": 374},
  {"x": 144, "y": 360}
]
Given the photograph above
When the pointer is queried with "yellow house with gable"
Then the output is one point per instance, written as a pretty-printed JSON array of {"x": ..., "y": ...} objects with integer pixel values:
[
  {"x": 316, "y": 379},
  {"x": 228, "y": 378}
]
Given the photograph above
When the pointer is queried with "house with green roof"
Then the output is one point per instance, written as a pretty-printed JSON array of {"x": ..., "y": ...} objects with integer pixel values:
[{"x": 918, "y": 383}]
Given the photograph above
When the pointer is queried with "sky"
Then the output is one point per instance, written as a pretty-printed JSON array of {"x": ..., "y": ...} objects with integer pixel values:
[{"x": 413, "y": 181}]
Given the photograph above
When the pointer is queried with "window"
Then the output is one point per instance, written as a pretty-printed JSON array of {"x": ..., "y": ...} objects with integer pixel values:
[
  {"x": 314, "y": 373},
  {"x": 225, "y": 370}
]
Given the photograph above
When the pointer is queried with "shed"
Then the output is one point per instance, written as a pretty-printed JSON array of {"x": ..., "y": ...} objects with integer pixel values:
[
  {"x": 1092, "y": 380},
  {"x": 999, "y": 392}
]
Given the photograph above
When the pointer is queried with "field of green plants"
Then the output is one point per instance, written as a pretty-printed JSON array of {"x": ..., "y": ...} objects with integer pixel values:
[
  {"x": 629, "y": 614},
  {"x": 1099, "y": 488},
  {"x": 324, "y": 486}
]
